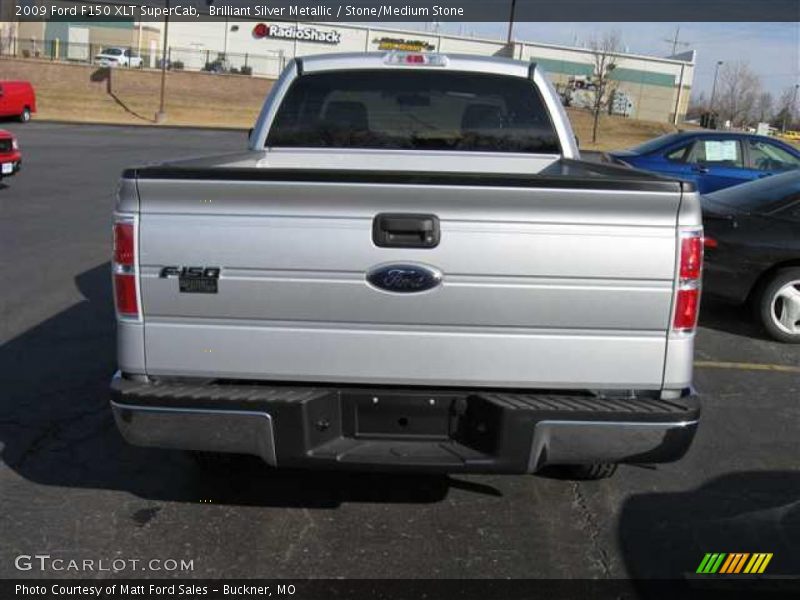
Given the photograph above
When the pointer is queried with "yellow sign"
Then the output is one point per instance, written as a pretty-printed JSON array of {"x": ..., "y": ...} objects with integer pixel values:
[{"x": 405, "y": 45}]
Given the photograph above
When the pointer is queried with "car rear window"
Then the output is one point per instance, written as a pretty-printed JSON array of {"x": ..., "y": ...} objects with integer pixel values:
[
  {"x": 762, "y": 195},
  {"x": 424, "y": 110}
]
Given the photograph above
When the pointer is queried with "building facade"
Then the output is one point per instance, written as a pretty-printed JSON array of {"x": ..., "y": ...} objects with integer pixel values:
[
  {"x": 659, "y": 88},
  {"x": 651, "y": 88},
  {"x": 80, "y": 40}
]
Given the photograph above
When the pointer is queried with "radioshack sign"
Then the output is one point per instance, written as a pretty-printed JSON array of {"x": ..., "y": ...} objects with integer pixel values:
[{"x": 291, "y": 32}]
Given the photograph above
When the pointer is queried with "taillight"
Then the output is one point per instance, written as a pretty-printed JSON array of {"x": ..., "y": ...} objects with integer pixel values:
[
  {"x": 124, "y": 268},
  {"x": 125, "y": 294},
  {"x": 709, "y": 242},
  {"x": 690, "y": 269},
  {"x": 686, "y": 309},
  {"x": 691, "y": 255},
  {"x": 123, "y": 244},
  {"x": 415, "y": 59}
]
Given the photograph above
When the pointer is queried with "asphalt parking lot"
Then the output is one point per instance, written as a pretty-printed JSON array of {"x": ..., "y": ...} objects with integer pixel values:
[{"x": 70, "y": 487}]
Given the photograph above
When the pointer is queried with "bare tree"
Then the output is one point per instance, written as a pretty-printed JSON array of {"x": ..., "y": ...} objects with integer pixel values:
[
  {"x": 698, "y": 104},
  {"x": 764, "y": 107},
  {"x": 787, "y": 107},
  {"x": 604, "y": 51},
  {"x": 739, "y": 89}
]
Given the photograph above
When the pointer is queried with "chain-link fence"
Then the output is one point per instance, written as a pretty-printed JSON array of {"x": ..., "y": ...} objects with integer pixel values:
[
  {"x": 189, "y": 59},
  {"x": 192, "y": 59}
]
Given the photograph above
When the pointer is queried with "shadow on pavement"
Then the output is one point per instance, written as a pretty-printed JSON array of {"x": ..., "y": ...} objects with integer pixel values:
[
  {"x": 666, "y": 535},
  {"x": 723, "y": 316},
  {"x": 56, "y": 428}
]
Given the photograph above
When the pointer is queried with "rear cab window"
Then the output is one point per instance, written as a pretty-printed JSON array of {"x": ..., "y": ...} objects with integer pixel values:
[{"x": 422, "y": 110}]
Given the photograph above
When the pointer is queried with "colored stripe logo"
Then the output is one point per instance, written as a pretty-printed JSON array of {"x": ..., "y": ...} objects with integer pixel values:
[{"x": 734, "y": 563}]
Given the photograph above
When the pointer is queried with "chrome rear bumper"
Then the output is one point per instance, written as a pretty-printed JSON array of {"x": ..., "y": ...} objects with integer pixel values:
[
  {"x": 240, "y": 432},
  {"x": 311, "y": 427},
  {"x": 582, "y": 442}
]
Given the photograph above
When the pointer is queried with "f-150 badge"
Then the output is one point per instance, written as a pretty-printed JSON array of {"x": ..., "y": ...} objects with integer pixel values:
[
  {"x": 193, "y": 280},
  {"x": 404, "y": 278}
]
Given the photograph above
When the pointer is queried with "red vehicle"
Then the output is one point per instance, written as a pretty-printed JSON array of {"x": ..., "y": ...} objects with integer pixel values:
[
  {"x": 17, "y": 99},
  {"x": 10, "y": 156}
]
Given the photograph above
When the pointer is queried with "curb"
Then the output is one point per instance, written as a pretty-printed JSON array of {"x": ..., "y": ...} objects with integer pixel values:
[{"x": 143, "y": 125}]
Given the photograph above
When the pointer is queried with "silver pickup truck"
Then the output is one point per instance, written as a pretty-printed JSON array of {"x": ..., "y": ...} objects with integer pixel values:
[{"x": 409, "y": 268}]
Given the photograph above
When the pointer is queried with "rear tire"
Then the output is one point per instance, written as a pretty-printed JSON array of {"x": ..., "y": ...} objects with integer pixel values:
[
  {"x": 778, "y": 300},
  {"x": 25, "y": 115},
  {"x": 590, "y": 472}
]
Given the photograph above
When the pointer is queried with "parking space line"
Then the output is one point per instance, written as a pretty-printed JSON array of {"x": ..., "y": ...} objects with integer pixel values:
[{"x": 710, "y": 364}]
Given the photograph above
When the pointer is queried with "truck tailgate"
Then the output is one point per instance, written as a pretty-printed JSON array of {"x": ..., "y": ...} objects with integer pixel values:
[{"x": 546, "y": 286}]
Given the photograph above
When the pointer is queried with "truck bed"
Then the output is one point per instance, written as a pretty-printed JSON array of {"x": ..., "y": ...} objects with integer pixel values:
[{"x": 555, "y": 173}]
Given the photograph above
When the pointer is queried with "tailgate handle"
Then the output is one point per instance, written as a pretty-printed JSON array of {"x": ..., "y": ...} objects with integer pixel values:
[{"x": 405, "y": 231}]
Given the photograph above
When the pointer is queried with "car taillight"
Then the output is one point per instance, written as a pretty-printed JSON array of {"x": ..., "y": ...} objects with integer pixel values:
[
  {"x": 690, "y": 269},
  {"x": 709, "y": 242},
  {"x": 124, "y": 267}
]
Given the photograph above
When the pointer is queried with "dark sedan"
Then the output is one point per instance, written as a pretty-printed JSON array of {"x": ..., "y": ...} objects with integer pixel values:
[{"x": 752, "y": 249}]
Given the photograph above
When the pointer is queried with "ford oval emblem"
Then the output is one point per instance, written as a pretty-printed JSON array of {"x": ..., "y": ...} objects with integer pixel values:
[{"x": 404, "y": 278}]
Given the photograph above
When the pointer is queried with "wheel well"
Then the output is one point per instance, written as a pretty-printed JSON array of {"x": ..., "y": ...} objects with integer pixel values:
[{"x": 768, "y": 274}]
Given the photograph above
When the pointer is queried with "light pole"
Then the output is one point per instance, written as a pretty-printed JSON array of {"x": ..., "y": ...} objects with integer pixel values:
[
  {"x": 161, "y": 115},
  {"x": 714, "y": 87},
  {"x": 511, "y": 21}
]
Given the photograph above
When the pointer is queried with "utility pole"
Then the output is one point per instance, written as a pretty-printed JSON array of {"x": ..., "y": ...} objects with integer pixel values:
[
  {"x": 161, "y": 115},
  {"x": 678, "y": 97},
  {"x": 510, "y": 37},
  {"x": 225, "y": 46}
]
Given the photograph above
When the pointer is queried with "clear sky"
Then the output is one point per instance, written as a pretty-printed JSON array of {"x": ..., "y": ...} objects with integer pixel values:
[{"x": 771, "y": 49}]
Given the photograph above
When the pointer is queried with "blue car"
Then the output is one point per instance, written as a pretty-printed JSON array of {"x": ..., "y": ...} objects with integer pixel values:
[{"x": 712, "y": 160}]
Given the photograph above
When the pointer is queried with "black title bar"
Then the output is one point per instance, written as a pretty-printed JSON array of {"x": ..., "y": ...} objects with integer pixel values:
[
  {"x": 377, "y": 11},
  {"x": 706, "y": 587}
]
